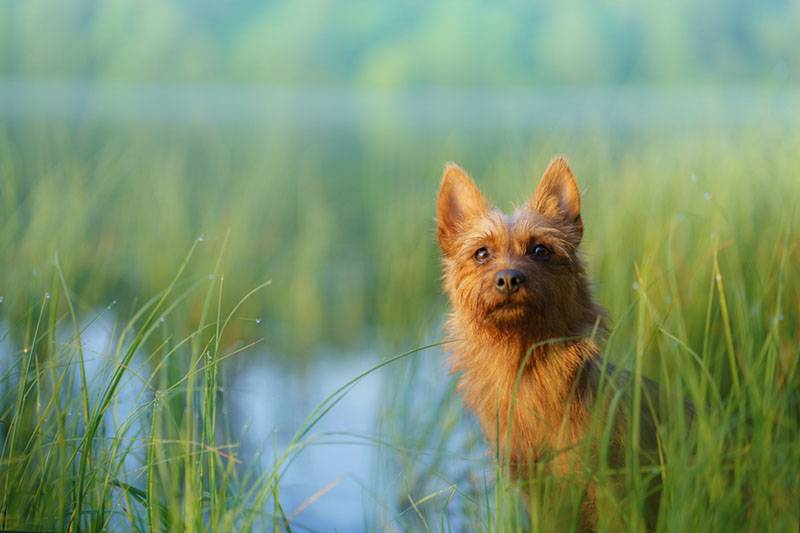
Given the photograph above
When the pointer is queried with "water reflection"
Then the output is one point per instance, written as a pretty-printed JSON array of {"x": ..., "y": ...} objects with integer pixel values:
[
  {"x": 341, "y": 481},
  {"x": 270, "y": 401},
  {"x": 126, "y": 417}
]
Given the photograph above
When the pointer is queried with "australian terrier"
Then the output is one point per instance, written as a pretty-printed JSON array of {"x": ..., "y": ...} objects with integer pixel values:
[{"x": 524, "y": 328}]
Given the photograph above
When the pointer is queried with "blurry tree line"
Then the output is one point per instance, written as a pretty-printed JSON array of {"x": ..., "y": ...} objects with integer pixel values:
[{"x": 403, "y": 43}]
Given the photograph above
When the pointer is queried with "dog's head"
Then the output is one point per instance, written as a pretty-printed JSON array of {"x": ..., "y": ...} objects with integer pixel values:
[{"x": 513, "y": 270}]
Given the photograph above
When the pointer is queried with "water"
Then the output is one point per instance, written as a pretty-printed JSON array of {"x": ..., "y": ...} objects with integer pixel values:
[
  {"x": 335, "y": 483},
  {"x": 267, "y": 405}
]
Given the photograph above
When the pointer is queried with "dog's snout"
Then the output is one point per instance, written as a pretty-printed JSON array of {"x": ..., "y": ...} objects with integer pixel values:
[{"x": 508, "y": 281}]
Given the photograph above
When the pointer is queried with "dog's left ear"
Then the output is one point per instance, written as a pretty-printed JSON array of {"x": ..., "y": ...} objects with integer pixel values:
[{"x": 558, "y": 197}]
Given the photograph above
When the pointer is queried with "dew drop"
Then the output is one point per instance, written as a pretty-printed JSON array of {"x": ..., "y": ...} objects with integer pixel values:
[
  {"x": 211, "y": 277},
  {"x": 112, "y": 304},
  {"x": 693, "y": 178},
  {"x": 2, "y": 299},
  {"x": 707, "y": 196},
  {"x": 47, "y": 296},
  {"x": 201, "y": 237},
  {"x": 258, "y": 321},
  {"x": 635, "y": 285}
]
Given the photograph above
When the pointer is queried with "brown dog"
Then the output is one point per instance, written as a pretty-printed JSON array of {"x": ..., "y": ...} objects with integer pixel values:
[{"x": 523, "y": 324}]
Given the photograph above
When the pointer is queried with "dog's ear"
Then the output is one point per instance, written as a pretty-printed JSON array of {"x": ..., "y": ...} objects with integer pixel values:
[
  {"x": 558, "y": 197},
  {"x": 460, "y": 200}
]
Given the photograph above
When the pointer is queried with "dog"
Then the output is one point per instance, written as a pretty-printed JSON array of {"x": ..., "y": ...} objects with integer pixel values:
[{"x": 524, "y": 332}]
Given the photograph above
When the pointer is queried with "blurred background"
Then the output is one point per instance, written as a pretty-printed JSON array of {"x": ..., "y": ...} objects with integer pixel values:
[
  {"x": 302, "y": 143},
  {"x": 315, "y": 132}
]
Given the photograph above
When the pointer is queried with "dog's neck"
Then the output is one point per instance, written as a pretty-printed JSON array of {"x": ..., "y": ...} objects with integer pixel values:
[{"x": 522, "y": 348}]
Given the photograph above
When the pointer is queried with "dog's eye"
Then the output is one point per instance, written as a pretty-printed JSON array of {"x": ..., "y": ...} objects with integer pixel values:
[
  {"x": 539, "y": 252},
  {"x": 482, "y": 254}
]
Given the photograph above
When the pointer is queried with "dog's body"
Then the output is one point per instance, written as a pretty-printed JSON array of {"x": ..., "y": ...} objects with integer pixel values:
[{"x": 524, "y": 324}]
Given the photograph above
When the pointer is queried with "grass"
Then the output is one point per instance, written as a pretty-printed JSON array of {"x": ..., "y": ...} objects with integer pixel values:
[{"x": 692, "y": 241}]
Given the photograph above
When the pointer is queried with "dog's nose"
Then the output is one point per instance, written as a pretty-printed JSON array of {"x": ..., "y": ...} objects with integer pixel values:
[{"x": 508, "y": 281}]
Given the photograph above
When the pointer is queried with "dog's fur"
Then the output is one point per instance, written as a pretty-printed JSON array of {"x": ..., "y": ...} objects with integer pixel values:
[{"x": 528, "y": 361}]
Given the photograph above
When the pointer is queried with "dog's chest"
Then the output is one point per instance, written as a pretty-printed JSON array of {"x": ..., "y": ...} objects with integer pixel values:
[{"x": 524, "y": 413}]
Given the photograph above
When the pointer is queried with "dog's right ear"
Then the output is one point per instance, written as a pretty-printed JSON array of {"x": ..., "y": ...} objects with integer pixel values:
[
  {"x": 559, "y": 198},
  {"x": 459, "y": 201}
]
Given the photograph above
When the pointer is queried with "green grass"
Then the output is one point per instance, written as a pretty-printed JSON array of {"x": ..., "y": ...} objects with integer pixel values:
[{"x": 691, "y": 237}]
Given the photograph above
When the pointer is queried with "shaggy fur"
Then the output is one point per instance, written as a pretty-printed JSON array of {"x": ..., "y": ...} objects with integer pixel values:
[{"x": 528, "y": 362}]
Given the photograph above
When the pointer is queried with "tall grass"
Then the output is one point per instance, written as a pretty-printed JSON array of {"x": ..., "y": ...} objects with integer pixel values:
[
  {"x": 66, "y": 453},
  {"x": 692, "y": 241}
]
